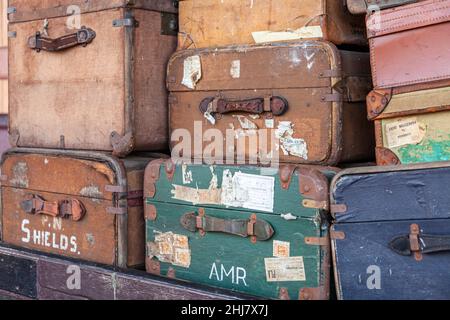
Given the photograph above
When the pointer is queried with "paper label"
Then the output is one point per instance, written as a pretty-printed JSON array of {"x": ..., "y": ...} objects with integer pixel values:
[
  {"x": 404, "y": 132},
  {"x": 187, "y": 174},
  {"x": 248, "y": 191},
  {"x": 270, "y": 123},
  {"x": 171, "y": 248},
  {"x": 285, "y": 269},
  {"x": 235, "y": 70},
  {"x": 192, "y": 72},
  {"x": 302, "y": 33},
  {"x": 281, "y": 249}
]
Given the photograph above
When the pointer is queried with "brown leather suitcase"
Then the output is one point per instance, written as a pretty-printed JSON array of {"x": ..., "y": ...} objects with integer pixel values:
[
  {"x": 77, "y": 204},
  {"x": 362, "y": 6},
  {"x": 308, "y": 94},
  {"x": 215, "y": 23},
  {"x": 409, "y": 49},
  {"x": 93, "y": 81}
]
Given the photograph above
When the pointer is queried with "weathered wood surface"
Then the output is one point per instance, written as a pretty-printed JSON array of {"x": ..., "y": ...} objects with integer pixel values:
[{"x": 53, "y": 278}]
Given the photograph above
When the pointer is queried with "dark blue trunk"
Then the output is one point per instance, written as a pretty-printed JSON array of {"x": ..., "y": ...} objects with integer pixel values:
[{"x": 393, "y": 240}]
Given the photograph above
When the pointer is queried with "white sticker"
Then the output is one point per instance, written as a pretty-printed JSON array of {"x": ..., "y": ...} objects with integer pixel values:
[
  {"x": 285, "y": 269},
  {"x": 295, "y": 147},
  {"x": 404, "y": 132},
  {"x": 208, "y": 116},
  {"x": 248, "y": 191},
  {"x": 246, "y": 124},
  {"x": 281, "y": 249},
  {"x": 187, "y": 175},
  {"x": 289, "y": 145},
  {"x": 307, "y": 32},
  {"x": 192, "y": 72},
  {"x": 235, "y": 70},
  {"x": 270, "y": 123}
]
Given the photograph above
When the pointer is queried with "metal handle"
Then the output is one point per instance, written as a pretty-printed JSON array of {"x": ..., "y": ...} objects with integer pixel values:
[
  {"x": 276, "y": 105},
  {"x": 418, "y": 244},
  {"x": 81, "y": 37},
  {"x": 258, "y": 230},
  {"x": 71, "y": 208}
]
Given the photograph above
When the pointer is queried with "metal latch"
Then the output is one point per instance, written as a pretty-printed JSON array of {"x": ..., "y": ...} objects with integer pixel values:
[{"x": 129, "y": 22}]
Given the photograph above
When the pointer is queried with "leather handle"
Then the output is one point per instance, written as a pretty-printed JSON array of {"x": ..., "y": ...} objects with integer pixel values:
[
  {"x": 418, "y": 244},
  {"x": 259, "y": 230},
  {"x": 69, "y": 209},
  {"x": 275, "y": 105},
  {"x": 81, "y": 37}
]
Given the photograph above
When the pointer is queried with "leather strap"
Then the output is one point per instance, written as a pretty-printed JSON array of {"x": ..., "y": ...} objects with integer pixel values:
[
  {"x": 71, "y": 208},
  {"x": 252, "y": 227},
  {"x": 82, "y": 37},
  {"x": 417, "y": 243},
  {"x": 275, "y": 105}
]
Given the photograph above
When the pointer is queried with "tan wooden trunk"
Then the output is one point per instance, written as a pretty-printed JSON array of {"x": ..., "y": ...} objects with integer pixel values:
[
  {"x": 215, "y": 23},
  {"x": 111, "y": 231},
  {"x": 109, "y": 95},
  {"x": 324, "y": 89}
]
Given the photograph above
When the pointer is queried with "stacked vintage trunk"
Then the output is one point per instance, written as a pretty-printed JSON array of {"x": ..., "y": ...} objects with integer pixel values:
[
  {"x": 87, "y": 88},
  {"x": 391, "y": 233},
  {"x": 253, "y": 80}
]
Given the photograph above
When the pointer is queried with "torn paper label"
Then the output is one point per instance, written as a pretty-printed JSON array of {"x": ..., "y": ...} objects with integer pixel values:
[
  {"x": 281, "y": 249},
  {"x": 192, "y": 72},
  {"x": 285, "y": 128},
  {"x": 235, "y": 70},
  {"x": 248, "y": 191},
  {"x": 285, "y": 269},
  {"x": 187, "y": 174},
  {"x": 208, "y": 116},
  {"x": 308, "y": 32},
  {"x": 171, "y": 248},
  {"x": 289, "y": 217},
  {"x": 404, "y": 132},
  {"x": 289, "y": 145},
  {"x": 295, "y": 147},
  {"x": 245, "y": 123},
  {"x": 196, "y": 196}
]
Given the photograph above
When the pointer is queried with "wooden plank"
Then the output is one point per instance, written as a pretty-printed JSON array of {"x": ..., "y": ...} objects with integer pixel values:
[{"x": 54, "y": 278}]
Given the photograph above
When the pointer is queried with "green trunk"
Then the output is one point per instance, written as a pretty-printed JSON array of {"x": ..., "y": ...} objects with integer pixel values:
[
  {"x": 432, "y": 144},
  {"x": 226, "y": 255}
]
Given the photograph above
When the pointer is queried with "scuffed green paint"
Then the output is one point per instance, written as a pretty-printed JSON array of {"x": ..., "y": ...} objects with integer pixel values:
[
  {"x": 217, "y": 259},
  {"x": 427, "y": 151}
]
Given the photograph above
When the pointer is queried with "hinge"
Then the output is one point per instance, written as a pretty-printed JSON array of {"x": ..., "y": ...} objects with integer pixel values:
[
  {"x": 337, "y": 235},
  {"x": 169, "y": 24},
  {"x": 335, "y": 73},
  {"x": 312, "y": 204},
  {"x": 317, "y": 241},
  {"x": 116, "y": 189},
  {"x": 129, "y": 22},
  {"x": 11, "y": 10},
  {"x": 117, "y": 211},
  {"x": 150, "y": 212},
  {"x": 332, "y": 97},
  {"x": 338, "y": 209}
]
